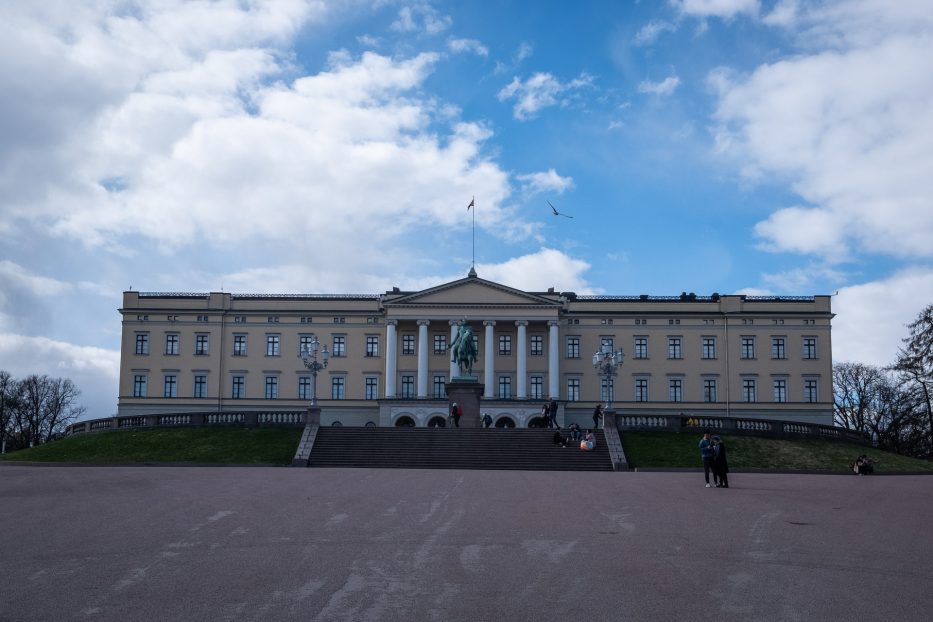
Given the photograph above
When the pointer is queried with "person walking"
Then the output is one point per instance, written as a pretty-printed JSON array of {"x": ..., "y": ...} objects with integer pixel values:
[
  {"x": 706, "y": 453},
  {"x": 720, "y": 464},
  {"x": 597, "y": 415},
  {"x": 545, "y": 415},
  {"x": 552, "y": 414}
]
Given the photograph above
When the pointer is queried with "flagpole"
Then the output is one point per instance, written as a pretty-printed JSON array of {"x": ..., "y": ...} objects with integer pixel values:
[{"x": 473, "y": 203}]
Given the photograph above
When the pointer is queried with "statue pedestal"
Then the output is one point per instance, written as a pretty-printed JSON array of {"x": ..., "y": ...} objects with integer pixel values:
[{"x": 466, "y": 392}]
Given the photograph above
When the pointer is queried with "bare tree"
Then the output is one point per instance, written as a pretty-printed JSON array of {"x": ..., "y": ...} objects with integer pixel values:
[
  {"x": 9, "y": 402},
  {"x": 915, "y": 366},
  {"x": 855, "y": 391},
  {"x": 46, "y": 407}
]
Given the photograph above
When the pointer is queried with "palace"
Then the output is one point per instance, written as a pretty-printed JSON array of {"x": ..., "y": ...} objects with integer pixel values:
[{"x": 719, "y": 355}]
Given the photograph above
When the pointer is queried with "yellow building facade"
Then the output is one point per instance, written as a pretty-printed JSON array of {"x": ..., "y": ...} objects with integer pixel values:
[{"x": 722, "y": 356}]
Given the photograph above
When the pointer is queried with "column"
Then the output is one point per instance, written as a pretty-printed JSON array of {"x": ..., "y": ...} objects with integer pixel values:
[
  {"x": 422, "y": 388},
  {"x": 521, "y": 391},
  {"x": 553, "y": 348},
  {"x": 391, "y": 346},
  {"x": 489, "y": 365},
  {"x": 454, "y": 368}
]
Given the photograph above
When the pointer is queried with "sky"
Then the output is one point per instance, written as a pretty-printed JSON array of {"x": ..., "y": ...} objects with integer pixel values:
[{"x": 767, "y": 147}]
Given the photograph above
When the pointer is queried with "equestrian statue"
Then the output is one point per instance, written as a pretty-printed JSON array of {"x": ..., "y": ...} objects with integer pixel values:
[{"x": 463, "y": 349}]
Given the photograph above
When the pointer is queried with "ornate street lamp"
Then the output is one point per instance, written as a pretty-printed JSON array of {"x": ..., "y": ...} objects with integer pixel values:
[
  {"x": 309, "y": 358},
  {"x": 607, "y": 364}
]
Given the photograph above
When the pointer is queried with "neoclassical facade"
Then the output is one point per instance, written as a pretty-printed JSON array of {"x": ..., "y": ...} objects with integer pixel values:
[{"x": 723, "y": 356}]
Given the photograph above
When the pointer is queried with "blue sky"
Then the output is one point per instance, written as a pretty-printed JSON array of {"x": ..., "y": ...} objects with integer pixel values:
[{"x": 732, "y": 146}]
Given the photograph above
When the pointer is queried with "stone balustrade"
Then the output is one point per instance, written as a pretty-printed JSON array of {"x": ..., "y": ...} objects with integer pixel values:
[{"x": 244, "y": 419}]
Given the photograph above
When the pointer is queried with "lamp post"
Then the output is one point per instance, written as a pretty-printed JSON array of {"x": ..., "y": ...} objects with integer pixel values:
[
  {"x": 607, "y": 364},
  {"x": 309, "y": 358}
]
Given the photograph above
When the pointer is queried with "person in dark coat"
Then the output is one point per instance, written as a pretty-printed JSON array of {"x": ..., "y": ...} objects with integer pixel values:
[
  {"x": 597, "y": 415},
  {"x": 455, "y": 412},
  {"x": 720, "y": 464},
  {"x": 706, "y": 453},
  {"x": 552, "y": 414}
]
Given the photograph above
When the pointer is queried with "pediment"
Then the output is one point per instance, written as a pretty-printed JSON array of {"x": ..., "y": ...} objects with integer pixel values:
[{"x": 469, "y": 292}]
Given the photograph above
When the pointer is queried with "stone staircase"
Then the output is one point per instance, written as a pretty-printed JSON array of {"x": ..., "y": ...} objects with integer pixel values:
[{"x": 453, "y": 448}]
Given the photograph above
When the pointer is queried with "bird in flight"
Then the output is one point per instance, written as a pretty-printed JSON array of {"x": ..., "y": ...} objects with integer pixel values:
[{"x": 556, "y": 213}]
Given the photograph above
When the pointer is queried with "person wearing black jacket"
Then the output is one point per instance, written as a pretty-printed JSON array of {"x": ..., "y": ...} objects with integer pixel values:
[{"x": 720, "y": 463}]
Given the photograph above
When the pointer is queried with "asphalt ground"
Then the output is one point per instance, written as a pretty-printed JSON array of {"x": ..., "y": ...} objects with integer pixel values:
[{"x": 254, "y": 543}]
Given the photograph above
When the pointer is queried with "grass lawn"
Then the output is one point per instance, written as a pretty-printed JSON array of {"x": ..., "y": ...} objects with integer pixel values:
[
  {"x": 209, "y": 445},
  {"x": 672, "y": 449}
]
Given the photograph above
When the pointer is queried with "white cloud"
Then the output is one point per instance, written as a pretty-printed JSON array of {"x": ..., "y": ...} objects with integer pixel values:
[
  {"x": 460, "y": 46},
  {"x": 871, "y": 318},
  {"x": 539, "y": 271},
  {"x": 851, "y": 128},
  {"x": 13, "y": 276},
  {"x": 650, "y": 32},
  {"x": 421, "y": 17},
  {"x": 725, "y": 9},
  {"x": 783, "y": 14},
  {"x": 541, "y": 90},
  {"x": 662, "y": 89},
  {"x": 546, "y": 181}
]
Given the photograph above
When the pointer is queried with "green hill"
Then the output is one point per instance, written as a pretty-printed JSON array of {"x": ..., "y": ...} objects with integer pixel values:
[
  {"x": 673, "y": 450},
  {"x": 276, "y": 446}
]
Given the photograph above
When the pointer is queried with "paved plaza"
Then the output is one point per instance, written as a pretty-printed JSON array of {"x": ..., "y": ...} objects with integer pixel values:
[{"x": 230, "y": 543}]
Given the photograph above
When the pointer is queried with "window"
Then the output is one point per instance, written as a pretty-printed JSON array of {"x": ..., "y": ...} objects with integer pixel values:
[
  {"x": 606, "y": 390},
  {"x": 748, "y": 390},
  {"x": 142, "y": 343},
  {"x": 139, "y": 385},
  {"x": 304, "y": 388},
  {"x": 273, "y": 319},
  {"x": 748, "y": 347},
  {"x": 809, "y": 347},
  {"x": 675, "y": 389},
  {"x": 505, "y": 345},
  {"x": 810, "y": 390},
  {"x": 641, "y": 347},
  {"x": 239, "y": 345},
  {"x": 337, "y": 388},
  {"x": 573, "y": 347},
  {"x": 778, "y": 350},
  {"x": 408, "y": 387},
  {"x": 201, "y": 345},
  {"x": 170, "y": 386},
  {"x": 440, "y": 384},
  {"x": 272, "y": 345},
  {"x": 607, "y": 342},
  {"x": 641, "y": 389},
  {"x": 340, "y": 346},
  {"x": 440, "y": 343},
  {"x": 537, "y": 387},
  {"x": 709, "y": 347},
  {"x": 200, "y": 386},
  {"x": 239, "y": 388},
  {"x": 304, "y": 343},
  {"x": 272, "y": 387},
  {"x": 780, "y": 390},
  {"x": 537, "y": 345},
  {"x": 408, "y": 345},
  {"x": 372, "y": 388},
  {"x": 171, "y": 344},
  {"x": 674, "y": 350},
  {"x": 505, "y": 387},
  {"x": 573, "y": 389},
  {"x": 372, "y": 345},
  {"x": 709, "y": 390}
]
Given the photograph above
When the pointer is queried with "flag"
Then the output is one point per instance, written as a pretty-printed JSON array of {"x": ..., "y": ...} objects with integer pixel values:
[{"x": 471, "y": 203}]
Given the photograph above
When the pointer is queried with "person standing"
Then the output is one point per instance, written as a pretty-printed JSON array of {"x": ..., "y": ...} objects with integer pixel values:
[
  {"x": 455, "y": 414},
  {"x": 545, "y": 415},
  {"x": 552, "y": 414},
  {"x": 706, "y": 453},
  {"x": 720, "y": 464},
  {"x": 487, "y": 420},
  {"x": 597, "y": 415}
]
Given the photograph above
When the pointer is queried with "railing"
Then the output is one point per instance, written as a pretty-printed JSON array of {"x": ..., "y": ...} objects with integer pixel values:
[
  {"x": 167, "y": 420},
  {"x": 735, "y": 425}
]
